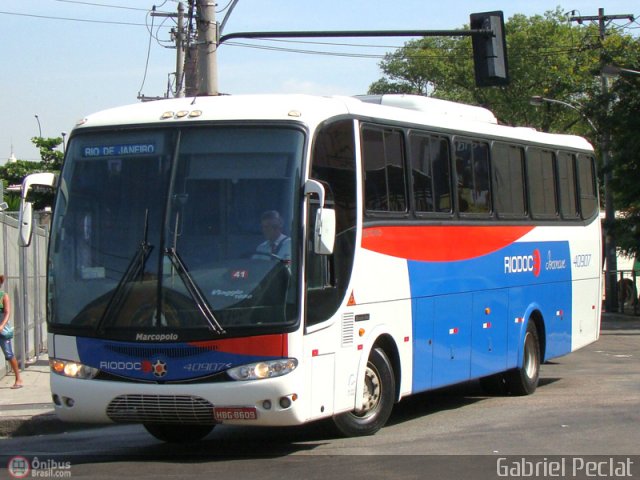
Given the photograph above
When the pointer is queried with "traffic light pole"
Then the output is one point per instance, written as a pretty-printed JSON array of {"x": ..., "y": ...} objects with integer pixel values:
[{"x": 489, "y": 47}]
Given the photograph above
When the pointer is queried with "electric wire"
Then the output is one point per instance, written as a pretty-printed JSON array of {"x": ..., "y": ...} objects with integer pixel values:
[
  {"x": 146, "y": 66},
  {"x": 49, "y": 17},
  {"x": 91, "y": 4}
]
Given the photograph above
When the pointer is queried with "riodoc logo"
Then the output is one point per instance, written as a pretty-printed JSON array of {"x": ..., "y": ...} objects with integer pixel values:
[{"x": 523, "y": 263}]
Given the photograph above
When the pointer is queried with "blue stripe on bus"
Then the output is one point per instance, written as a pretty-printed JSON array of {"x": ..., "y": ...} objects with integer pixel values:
[{"x": 158, "y": 362}]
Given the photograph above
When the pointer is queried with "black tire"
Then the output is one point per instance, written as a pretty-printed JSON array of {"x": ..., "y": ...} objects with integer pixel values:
[
  {"x": 176, "y": 433},
  {"x": 524, "y": 380},
  {"x": 377, "y": 402}
]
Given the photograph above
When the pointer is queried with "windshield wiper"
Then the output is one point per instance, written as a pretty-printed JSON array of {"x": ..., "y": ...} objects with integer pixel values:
[
  {"x": 194, "y": 291},
  {"x": 134, "y": 270}
]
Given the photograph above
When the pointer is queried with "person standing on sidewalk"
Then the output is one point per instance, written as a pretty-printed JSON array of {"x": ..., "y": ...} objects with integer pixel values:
[{"x": 5, "y": 343}]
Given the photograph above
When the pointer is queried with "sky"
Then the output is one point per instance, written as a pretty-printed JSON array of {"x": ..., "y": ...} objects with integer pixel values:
[{"x": 64, "y": 59}]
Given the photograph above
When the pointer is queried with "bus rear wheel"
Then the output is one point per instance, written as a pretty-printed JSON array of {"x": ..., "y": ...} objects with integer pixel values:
[
  {"x": 175, "y": 433},
  {"x": 377, "y": 400},
  {"x": 524, "y": 380}
]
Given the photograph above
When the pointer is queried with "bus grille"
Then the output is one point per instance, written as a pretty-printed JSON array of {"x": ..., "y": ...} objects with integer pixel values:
[{"x": 160, "y": 409}]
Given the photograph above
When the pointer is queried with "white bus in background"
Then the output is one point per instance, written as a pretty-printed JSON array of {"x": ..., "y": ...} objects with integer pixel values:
[{"x": 429, "y": 246}]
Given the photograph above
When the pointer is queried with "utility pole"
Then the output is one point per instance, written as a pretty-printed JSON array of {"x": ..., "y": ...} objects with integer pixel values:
[
  {"x": 207, "y": 48},
  {"x": 180, "y": 45},
  {"x": 180, "y": 37},
  {"x": 611, "y": 295}
]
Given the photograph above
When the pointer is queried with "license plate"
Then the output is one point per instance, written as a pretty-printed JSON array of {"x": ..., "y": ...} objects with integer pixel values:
[{"x": 235, "y": 413}]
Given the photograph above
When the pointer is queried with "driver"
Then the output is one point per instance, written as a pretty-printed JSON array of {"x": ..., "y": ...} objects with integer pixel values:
[{"x": 276, "y": 243}]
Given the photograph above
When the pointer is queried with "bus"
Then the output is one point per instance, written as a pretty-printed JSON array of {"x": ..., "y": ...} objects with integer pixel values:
[{"x": 427, "y": 245}]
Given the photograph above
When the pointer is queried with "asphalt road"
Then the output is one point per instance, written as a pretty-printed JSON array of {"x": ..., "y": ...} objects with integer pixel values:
[{"x": 586, "y": 409}]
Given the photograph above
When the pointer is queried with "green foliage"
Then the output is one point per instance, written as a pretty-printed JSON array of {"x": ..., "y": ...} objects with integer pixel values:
[
  {"x": 625, "y": 146},
  {"x": 51, "y": 158}
]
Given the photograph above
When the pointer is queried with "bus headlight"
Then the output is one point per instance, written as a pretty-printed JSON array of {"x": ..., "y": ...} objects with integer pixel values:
[
  {"x": 266, "y": 369},
  {"x": 67, "y": 368}
]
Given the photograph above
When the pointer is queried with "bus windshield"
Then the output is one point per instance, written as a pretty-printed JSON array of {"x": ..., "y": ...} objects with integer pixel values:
[{"x": 177, "y": 230}]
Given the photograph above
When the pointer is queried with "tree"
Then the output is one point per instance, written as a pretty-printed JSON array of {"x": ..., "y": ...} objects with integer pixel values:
[
  {"x": 51, "y": 158},
  {"x": 625, "y": 146}
]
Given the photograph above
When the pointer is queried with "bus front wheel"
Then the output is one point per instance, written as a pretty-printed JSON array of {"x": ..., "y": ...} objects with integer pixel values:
[
  {"x": 377, "y": 400},
  {"x": 524, "y": 380},
  {"x": 174, "y": 433}
]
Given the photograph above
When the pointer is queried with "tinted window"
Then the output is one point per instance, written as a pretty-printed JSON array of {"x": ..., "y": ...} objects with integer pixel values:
[
  {"x": 333, "y": 163},
  {"x": 508, "y": 180},
  {"x": 567, "y": 185},
  {"x": 542, "y": 185},
  {"x": 587, "y": 186},
  {"x": 472, "y": 171},
  {"x": 430, "y": 173},
  {"x": 384, "y": 170}
]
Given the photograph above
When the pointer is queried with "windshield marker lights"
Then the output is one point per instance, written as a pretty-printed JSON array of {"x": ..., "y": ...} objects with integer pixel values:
[
  {"x": 262, "y": 370},
  {"x": 181, "y": 114},
  {"x": 67, "y": 368}
]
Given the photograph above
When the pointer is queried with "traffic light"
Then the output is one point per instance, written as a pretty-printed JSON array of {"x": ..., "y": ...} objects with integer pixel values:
[{"x": 490, "y": 51}]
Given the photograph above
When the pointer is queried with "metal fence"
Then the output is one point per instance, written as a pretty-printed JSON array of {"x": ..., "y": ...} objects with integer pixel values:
[{"x": 24, "y": 270}]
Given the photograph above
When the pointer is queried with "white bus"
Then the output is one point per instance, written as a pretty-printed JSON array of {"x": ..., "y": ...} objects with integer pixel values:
[{"x": 424, "y": 245}]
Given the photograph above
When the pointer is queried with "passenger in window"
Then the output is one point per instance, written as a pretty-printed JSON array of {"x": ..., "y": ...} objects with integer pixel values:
[{"x": 276, "y": 245}]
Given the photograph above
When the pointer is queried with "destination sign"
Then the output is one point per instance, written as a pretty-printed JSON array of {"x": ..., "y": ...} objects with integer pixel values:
[{"x": 119, "y": 150}]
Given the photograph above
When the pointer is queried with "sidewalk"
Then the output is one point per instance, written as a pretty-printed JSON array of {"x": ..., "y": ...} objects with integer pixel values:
[{"x": 29, "y": 410}]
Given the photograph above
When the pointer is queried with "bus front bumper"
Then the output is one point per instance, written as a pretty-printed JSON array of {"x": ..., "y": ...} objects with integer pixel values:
[{"x": 275, "y": 401}]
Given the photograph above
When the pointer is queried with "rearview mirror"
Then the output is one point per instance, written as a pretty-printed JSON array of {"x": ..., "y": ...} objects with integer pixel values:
[
  {"x": 324, "y": 232},
  {"x": 25, "y": 221},
  {"x": 25, "y": 216}
]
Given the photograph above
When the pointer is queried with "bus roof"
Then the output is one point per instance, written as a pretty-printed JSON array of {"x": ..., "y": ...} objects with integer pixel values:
[{"x": 416, "y": 110}]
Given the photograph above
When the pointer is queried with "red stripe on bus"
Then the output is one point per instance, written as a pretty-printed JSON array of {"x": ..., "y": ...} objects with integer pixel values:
[
  {"x": 267, "y": 345},
  {"x": 440, "y": 243}
]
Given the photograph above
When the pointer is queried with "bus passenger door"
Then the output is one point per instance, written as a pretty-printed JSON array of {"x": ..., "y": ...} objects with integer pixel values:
[
  {"x": 452, "y": 339},
  {"x": 489, "y": 333}
]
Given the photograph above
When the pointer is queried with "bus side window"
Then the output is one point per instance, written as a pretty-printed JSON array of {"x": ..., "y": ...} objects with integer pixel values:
[
  {"x": 567, "y": 185},
  {"x": 472, "y": 171},
  {"x": 430, "y": 173},
  {"x": 587, "y": 186},
  {"x": 383, "y": 158},
  {"x": 508, "y": 180}
]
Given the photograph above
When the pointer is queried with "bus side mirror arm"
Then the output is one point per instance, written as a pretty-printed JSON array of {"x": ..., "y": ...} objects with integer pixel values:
[
  {"x": 25, "y": 215},
  {"x": 324, "y": 234}
]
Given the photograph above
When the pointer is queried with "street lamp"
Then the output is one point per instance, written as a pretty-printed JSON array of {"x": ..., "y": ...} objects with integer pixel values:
[
  {"x": 39, "y": 127},
  {"x": 538, "y": 101},
  {"x": 612, "y": 71},
  {"x": 611, "y": 295},
  {"x": 64, "y": 146}
]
